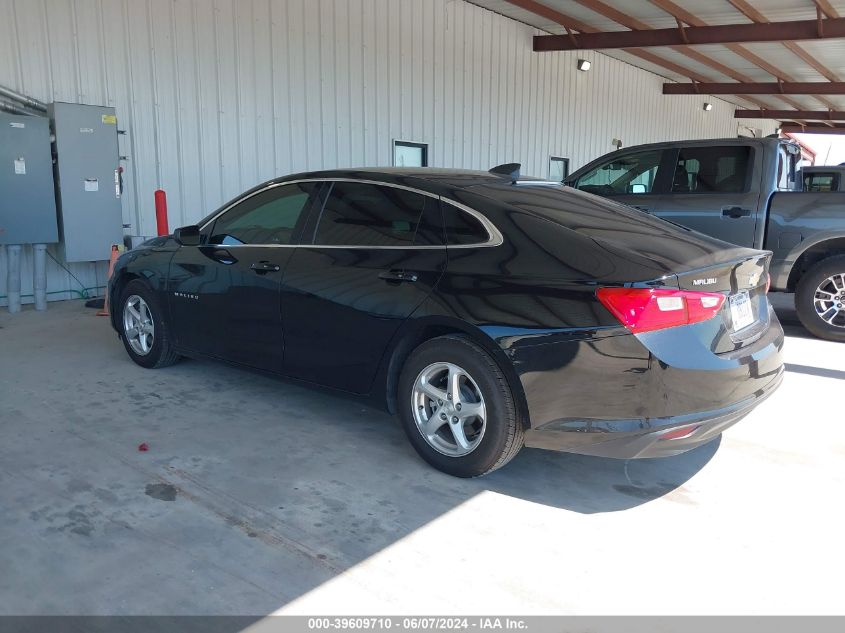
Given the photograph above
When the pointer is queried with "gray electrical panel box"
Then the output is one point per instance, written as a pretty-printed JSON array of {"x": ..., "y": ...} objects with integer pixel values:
[
  {"x": 87, "y": 184},
  {"x": 27, "y": 201}
]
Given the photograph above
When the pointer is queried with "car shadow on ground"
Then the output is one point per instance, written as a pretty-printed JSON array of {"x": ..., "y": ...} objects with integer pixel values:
[{"x": 590, "y": 485}]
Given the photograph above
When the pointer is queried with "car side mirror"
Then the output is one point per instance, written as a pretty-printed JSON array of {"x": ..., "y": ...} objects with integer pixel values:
[
  {"x": 187, "y": 235},
  {"x": 638, "y": 188}
]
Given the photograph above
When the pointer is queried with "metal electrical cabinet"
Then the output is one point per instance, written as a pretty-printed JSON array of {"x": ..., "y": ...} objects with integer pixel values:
[
  {"x": 27, "y": 202},
  {"x": 87, "y": 186}
]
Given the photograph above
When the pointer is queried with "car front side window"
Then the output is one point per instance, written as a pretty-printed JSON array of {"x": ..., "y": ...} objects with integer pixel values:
[{"x": 269, "y": 217}]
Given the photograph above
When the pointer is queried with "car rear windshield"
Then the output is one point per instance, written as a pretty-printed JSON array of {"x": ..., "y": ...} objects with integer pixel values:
[{"x": 568, "y": 207}]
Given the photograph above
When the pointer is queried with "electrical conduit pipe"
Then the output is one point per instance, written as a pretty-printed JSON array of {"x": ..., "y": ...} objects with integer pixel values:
[
  {"x": 13, "y": 277},
  {"x": 39, "y": 275}
]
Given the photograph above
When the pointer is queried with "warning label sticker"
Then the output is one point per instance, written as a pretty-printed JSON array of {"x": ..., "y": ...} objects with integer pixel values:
[{"x": 109, "y": 119}]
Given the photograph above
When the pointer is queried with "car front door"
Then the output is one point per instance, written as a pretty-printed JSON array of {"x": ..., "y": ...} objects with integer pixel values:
[
  {"x": 633, "y": 178},
  {"x": 712, "y": 192},
  {"x": 224, "y": 294},
  {"x": 367, "y": 259}
]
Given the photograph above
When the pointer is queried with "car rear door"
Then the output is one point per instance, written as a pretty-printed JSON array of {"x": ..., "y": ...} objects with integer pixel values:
[
  {"x": 369, "y": 256},
  {"x": 225, "y": 294},
  {"x": 711, "y": 191}
]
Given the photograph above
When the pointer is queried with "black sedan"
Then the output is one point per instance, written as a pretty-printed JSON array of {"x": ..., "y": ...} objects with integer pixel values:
[{"x": 488, "y": 311}]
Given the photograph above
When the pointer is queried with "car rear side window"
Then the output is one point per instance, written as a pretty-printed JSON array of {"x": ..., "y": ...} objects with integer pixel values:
[
  {"x": 720, "y": 169},
  {"x": 363, "y": 214},
  {"x": 462, "y": 228},
  {"x": 269, "y": 217}
]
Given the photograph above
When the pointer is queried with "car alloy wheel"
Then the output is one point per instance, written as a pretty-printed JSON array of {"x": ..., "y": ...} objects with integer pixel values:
[
  {"x": 829, "y": 300},
  {"x": 449, "y": 409},
  {"x": 138, "y": 326}
]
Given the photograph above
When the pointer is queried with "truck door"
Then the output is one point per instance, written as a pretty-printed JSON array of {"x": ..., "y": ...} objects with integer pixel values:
[{"x": 712, "y": 192}]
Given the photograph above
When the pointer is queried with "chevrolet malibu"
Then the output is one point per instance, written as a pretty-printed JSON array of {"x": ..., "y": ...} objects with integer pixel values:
[{"x": 490, "y": 312}]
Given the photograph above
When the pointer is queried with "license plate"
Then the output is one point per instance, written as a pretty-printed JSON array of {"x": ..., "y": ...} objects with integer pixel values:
[{"x": 741, "y": 314}]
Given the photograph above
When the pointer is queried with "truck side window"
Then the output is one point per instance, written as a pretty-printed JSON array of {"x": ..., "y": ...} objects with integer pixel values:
[
  {"x": 631, "y": 173},
  {"x": 722, "y": 169},
  {"x": 821, "y": 181}
]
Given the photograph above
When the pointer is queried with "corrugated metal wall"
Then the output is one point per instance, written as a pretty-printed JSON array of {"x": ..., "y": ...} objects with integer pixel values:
[{"x": 217, "y": 96}]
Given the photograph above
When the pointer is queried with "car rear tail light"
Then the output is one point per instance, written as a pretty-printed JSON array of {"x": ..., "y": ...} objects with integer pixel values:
[{"x": 648, "y": 309}]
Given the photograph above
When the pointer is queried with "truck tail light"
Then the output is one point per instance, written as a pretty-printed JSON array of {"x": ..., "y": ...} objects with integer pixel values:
[{"x": 649, "y": 309}]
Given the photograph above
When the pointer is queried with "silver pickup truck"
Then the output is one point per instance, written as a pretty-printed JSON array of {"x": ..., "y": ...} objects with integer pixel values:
[{"x": 748, "y": 192}]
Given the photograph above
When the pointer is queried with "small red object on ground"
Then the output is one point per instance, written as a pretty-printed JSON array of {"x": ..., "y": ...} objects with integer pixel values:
[{"x": 143, "y": 447}]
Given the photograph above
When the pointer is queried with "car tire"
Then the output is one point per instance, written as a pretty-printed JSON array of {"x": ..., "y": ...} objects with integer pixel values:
[
  {"x": 481, "y": 430},
  {"x": 151, "y": 344},
  {"x": 824, "y": 277}
]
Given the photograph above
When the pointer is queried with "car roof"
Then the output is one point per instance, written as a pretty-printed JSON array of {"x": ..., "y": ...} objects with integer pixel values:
[{"x": 436, "y": 180}]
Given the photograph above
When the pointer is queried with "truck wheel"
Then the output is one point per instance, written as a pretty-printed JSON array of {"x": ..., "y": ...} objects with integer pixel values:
[{"x": 820, "y": 299}]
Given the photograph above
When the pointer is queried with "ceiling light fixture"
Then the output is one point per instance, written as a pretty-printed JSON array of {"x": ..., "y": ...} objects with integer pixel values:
[{"x": 584, "y": 65}]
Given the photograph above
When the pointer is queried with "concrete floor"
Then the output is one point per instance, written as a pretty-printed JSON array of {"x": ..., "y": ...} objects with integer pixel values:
[{"x": 258, "y": 496}]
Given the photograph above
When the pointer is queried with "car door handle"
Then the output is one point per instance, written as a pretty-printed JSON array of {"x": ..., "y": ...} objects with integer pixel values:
[
  {"x": 398, "y": 276},
  {"x": 736, "y": 212},
  {"x": 643, "y": 209},
  {"x": 265, "y": 267}
]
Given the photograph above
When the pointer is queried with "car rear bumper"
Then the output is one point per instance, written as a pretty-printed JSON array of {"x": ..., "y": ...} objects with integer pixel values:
[
  {"x": 619, "y": 396},
  {"x": 635, "y": 438}
]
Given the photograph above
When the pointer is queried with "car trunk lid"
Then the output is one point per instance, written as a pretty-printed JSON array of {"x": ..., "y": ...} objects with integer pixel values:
[{"x": 745, "y": 313}]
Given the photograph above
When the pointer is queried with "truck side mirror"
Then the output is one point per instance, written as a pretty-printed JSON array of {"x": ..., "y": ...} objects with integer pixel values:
[{"x": 187, "y": 235}]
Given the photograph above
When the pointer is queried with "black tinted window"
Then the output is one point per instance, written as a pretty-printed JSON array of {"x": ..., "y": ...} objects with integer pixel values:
[
  {"x": 359, "y": 214},
  {"x": 462, "y": 228},
  {"x": 266, "y": 218},
  {"x": 711, "y": 169}
]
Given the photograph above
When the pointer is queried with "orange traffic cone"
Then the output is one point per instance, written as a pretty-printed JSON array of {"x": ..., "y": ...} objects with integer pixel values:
[{"x": 115, "y": 253}]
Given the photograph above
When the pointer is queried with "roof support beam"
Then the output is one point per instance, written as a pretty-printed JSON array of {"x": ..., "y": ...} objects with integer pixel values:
[
  {"x": 773, "y": 88},
  {"x": 815, "y": 115},
  {"x": 679, "y": 13},
  {"x": 722, "y": 34},
  {"x": 756, "y": 16},
  {"x": 827, "y": 8},
  {"x": 789, "y": 128},
  {"x": 636, "y": 25},
  {"x": 571, "y": 24}
]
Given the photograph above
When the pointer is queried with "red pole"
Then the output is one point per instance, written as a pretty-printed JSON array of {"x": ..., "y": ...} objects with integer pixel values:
[{"x": 161, "y": 212}]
